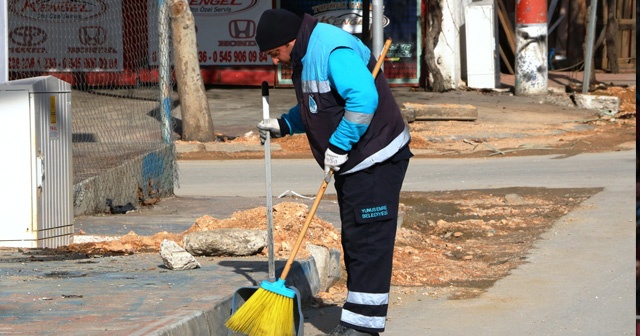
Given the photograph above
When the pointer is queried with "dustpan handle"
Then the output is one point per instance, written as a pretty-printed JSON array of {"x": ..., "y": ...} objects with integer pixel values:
[
  {"x": 305, "y": 227},
  {"x": 267, "y": 174}
]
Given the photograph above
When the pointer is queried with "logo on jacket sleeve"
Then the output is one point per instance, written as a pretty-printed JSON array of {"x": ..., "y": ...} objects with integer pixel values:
[{"x": 313, "y": 107}]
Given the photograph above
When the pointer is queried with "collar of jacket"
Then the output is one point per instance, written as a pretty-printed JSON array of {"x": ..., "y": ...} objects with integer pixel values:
[{"x": 302, "y": 40}]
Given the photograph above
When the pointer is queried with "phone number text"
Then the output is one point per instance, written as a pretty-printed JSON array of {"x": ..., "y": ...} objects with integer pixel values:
[
  {"x": 227, "y": 57},
  {"x": 67, "y": 63}
]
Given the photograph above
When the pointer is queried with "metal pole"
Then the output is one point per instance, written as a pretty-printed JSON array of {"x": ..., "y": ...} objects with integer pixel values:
[
  {"x": 4, "y": 42},
  {"x": 378, "y": 33},
  {"x": 267, "y": 174},
  {"x": 588, "y": 57},
  {"x": 531, "y": 47},
  {"x": 163, "y": 70},
  {"x": 366, "y": 22},
  {"x": 552, "y": 9}
]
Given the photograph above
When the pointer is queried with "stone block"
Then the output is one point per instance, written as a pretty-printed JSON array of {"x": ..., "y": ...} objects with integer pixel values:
[
  {"x": 426, "y": 112},
  {"x": 608, "y": 104}
]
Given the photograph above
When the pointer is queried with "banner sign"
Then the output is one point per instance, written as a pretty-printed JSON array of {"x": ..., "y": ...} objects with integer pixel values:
[
  {"x": 65, "y": 35},
  {"x": 225, "y": 31}
]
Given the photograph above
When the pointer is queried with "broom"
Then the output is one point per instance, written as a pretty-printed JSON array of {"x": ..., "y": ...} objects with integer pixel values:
[{"x": 268, "y": 311}]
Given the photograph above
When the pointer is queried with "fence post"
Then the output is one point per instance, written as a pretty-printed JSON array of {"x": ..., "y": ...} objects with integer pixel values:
[
  {"x": 163, "y": 70},
  {"x": 531, "y": 47}
]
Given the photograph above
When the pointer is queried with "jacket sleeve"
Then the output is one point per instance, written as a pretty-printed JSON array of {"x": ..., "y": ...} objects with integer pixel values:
[
  {"x": 350, "y": 77},
  {"x": 291, "y": 122}
]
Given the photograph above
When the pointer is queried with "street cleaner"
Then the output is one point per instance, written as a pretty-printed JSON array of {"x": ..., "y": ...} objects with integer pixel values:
[{"x": 355, "y": 131}]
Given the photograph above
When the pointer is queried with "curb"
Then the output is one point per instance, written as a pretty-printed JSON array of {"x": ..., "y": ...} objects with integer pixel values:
[
  {"x": 182, "y": 148},
  {"x": 303, "y": 276},
  {"x": 309, "y": 276}
]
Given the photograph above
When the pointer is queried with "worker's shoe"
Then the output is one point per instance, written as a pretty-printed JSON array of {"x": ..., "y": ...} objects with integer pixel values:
[{"x": 341, "y": 330}]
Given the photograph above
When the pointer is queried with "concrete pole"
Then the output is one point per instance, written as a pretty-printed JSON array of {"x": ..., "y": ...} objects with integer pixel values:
[
  {"x": 531, "y": 48},
  {"x": 378, "y": 29},
  {"x": 4, "y": 42}
]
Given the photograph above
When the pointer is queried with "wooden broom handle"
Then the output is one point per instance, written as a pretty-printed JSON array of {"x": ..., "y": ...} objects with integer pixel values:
[
  {"x": 307, "y": 222},
  {"x": 376, "y": 69},
  {"x": 323, "y": 186}
]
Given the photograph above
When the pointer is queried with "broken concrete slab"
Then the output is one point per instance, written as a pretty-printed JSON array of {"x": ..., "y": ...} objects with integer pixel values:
[
  {"x": 610, "y": 104},
  {"x": 408, "y": 114},
  {"x": 327, "y": 264},
  {"x": 225, "y": 242},
  {"x": 426, "y": 112},
  {"x": 174, "y": 257}
]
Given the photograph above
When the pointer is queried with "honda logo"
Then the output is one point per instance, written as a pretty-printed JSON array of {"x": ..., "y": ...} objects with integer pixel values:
[
  {"x": 92, "y": 35},
  {"x": 242, "y": 29},
  {"x": 28, "y": 36}
]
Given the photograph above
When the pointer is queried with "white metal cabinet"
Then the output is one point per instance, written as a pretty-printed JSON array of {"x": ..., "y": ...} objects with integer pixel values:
[
  {"x": 481, "y": 28},
  {"x": 36, "y": 202}
]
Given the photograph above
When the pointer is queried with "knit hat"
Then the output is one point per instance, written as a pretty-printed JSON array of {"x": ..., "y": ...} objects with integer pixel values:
[{"x": 277, "y": 27}]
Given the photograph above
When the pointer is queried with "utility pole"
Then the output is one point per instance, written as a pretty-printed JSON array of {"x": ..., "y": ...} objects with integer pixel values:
[
  {"x": 588, "y": 55},
  {"x": 4, "y": 41},
  {"x": 377, "y": 25},
  {"x": 531, "y": 66}
]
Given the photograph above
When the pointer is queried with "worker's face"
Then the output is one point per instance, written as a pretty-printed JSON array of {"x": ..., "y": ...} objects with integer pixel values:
[{"x": 281, "y": 54}]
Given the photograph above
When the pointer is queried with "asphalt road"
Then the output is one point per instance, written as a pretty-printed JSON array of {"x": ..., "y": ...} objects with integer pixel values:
[
  {"x": 245, "y": 178},
  {"x": 579, "y": 279}
]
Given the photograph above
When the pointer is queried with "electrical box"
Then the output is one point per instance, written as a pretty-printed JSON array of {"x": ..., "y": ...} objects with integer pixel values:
[
  {"x": 36, "y": 207},
  {"x": 481, "y": 30}
]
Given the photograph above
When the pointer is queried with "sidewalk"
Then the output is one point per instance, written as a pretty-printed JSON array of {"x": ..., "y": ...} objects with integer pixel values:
[
  {"x": 236, "y": 111},
  {"x": 43, "y": 293}
]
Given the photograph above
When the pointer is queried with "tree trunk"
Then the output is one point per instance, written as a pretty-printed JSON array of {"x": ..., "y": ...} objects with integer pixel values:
[
  {"x": 577, "y": 29},
  {"x": 612, "y": 30},
  {"x": 196, "y": 118},
  {"x": 434, "y": 28}
]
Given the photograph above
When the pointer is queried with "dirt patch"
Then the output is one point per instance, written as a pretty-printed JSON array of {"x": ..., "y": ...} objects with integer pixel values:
[
  {"x": 463, "y": 240},
  {"x": 462, "y": 237},
  {"x": 459, "y": 243},
  {"x": 288, "y": 218}
]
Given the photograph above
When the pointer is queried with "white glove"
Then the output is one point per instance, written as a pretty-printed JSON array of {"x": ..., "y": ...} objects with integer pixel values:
[
  {"x": 269, "y": 126},
  {"x": 332, "y": 162}
]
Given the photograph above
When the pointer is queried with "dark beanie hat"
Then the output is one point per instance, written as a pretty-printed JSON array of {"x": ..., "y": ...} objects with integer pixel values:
[{"x": 277, "y": 27}]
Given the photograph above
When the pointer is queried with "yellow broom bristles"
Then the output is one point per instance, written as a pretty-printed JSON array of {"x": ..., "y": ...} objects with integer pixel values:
[{"x": 265, "y": 313}]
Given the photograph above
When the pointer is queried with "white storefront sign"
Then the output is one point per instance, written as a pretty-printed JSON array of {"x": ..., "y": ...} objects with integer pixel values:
[
  {"x": 225, "y": 31},
  {"x": 65, "y": 35}
]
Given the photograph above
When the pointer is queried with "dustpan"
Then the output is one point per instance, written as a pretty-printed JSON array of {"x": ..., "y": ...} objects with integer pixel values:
[{"x": 244, "y": 293}]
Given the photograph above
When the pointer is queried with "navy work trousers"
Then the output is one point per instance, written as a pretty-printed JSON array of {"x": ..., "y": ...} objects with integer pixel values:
[{"x": 368, "y": 201}]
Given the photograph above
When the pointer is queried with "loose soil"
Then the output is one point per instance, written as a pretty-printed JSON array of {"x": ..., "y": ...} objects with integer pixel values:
[{"x": 454, "y": 243}]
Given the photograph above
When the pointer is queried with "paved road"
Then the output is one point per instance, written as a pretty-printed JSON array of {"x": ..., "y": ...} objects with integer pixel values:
[
  {"x": 222, "y": 178},
  {"x": 579, "y": 278}
]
